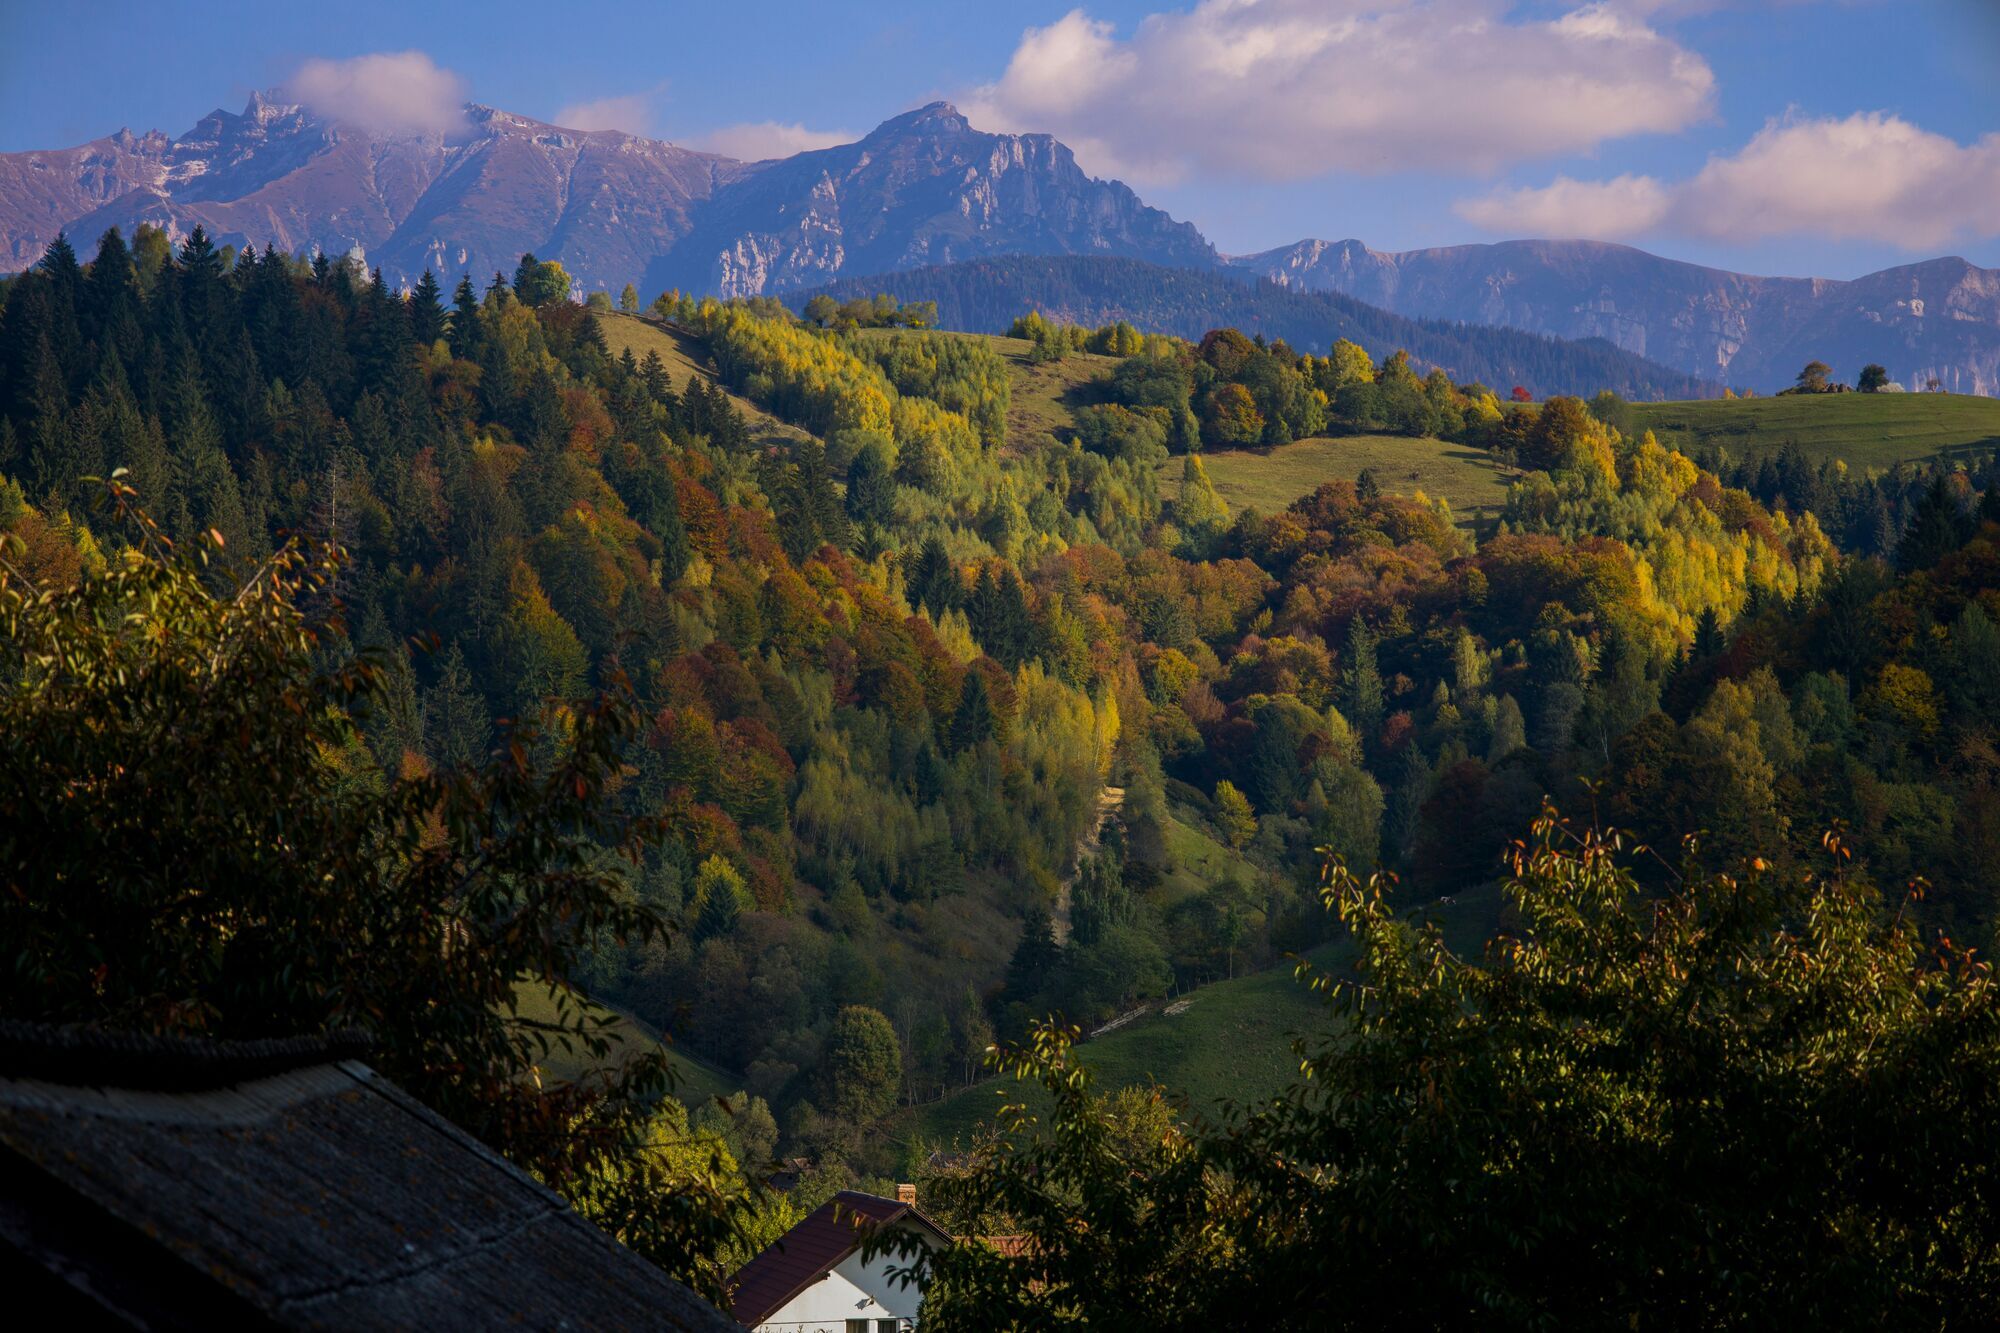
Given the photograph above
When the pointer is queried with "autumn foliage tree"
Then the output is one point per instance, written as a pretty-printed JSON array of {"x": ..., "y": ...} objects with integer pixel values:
[{"x": 1750, "y": 1101}]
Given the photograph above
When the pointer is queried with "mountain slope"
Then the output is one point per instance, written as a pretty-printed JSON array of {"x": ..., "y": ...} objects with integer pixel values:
[
  {"x": 470, "y": 201},
  {"x": 1938, "y": 318},
  {"x": 985, "y": 296},
  {"x": 924, "y": 188}
]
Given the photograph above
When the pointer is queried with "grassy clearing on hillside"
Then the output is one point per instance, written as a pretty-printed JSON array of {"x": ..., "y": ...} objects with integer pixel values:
[
  {"x": 1866, "y": 430},
  {"x": 1230, "y": 1043},
  {"x": 685, "y": 356},
  {"x": 1196, "y": 861},
  {"x": 1468, "y": 478},
  {"x": 1040, "y": 395},
  {"x": 697, "y": 1082}
]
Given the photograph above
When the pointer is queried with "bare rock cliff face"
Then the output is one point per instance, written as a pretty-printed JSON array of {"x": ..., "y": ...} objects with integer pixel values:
[
  {"x": 1940, "y": 318},
  {"x": 614, "y": 208},
  {"x": 924, "y": 188},
  {"x": 469, "y": 200}
]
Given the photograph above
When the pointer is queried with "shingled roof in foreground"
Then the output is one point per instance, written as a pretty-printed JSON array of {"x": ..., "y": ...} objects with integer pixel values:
[{"x": 174, "y": 1183}]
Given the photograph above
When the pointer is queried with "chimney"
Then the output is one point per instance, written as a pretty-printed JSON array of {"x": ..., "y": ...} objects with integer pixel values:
[{"x": 906, "y": 1195}]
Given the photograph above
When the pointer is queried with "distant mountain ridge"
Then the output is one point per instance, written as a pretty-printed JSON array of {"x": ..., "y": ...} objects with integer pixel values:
[
  {"x": 984, "y": 296},
  {"x": 1937, "y": 318},
  {"x": 926, "y": 189},
  {"x": 923, "y": 188},
  {"x": 469, "y": 201}
]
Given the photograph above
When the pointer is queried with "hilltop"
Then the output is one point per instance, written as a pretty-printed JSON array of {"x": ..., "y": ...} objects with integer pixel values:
[{"x": 1860, "y": 429}]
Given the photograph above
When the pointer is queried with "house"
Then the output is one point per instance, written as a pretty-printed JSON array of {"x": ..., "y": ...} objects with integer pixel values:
[
  {"x": 813, "y": 1279},
  {"x": 168, "y": 1183}
]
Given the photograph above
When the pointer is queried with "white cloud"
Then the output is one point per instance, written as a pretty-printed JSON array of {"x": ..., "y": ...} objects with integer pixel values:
[
  {"x": 1625, "y": 206},
  {"x": 1869, "y": 177},
  {"x": 1286, "y": 89},
  {"x": 632, "y": 113},
  {"x": 755, "y": 141},
  {"x": 389, "y": 92}
]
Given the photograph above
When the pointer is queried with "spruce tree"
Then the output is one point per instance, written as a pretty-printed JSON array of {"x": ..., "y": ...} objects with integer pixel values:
[
  {"x": 426, "y": 311},
  {"x": 1936, "y": 529},
  {"x": 464, "y": 327},
  {"x": 1363, "y": 681},
  {"x": 658, "y": 383},
  {"x": 819, "y": 500},
  {"x": 1035, "y": 957},
  {"x": 871, "y": 491},
  {"x": 458, "y": 729},
  {"x": 933, "y": 582},
  {"x": 973, "y": 721}
]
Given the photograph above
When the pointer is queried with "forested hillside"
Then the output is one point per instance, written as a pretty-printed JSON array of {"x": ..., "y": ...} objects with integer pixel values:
[
  {"x": 986, "y": 295},
  {"x": 882, "y": 672}
]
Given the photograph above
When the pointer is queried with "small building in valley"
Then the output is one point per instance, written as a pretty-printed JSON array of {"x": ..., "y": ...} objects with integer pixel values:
[{"x": 813, "y": 1279}]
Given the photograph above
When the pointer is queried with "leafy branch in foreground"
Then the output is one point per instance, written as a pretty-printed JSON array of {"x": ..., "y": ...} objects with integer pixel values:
[
  {"x": 193, "y": 840},
  {"x": 1748, "y": 1101}
]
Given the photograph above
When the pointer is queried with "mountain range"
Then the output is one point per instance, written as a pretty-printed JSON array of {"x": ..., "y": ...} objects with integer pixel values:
[
  {"x": 1093, "y": 290},
  {"x": 1940, "y": 318},
  {"x": 926, "y": 191}
]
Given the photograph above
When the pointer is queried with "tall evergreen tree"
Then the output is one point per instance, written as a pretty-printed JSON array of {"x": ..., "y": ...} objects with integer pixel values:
[
  {"x": 458, "y": 729},
  {"x": 933, "y": 582},
  {"x": 1363, "y": 692},
  {"x": 1937, "y": 527},
  {"x": 426, "y": 311},
  {"x": 465, "y": 321},
  {"x": 973, "y": 721}
]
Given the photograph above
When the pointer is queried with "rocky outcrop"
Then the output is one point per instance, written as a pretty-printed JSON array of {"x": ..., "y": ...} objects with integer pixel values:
[
  {"x": 924, "y": 188},
  {"x": 1938, "y": 318},
  {"x": 469, "y": 200}
]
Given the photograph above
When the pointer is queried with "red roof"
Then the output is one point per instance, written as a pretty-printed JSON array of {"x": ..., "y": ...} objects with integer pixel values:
[{"x": 806, "y": 1253}]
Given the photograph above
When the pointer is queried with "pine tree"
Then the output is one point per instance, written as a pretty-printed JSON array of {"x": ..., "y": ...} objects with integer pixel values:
[
  {"x": 934, "y": 582},
  {"x": 1363, "y": 693},
  {"x": 426, "y": 311},
  {"x": 820, "y": 502},
  {"x": 1936, "y": 529},
  {"x": 457, "y": 728},
  {"x": 658, "y": 383},
  {"x": 112, "y": 296},
  {"x": 1708, "y": 636},
  {"x": 465, "y": 330},
  {"x": 973, "y": 721},
  {"x": 1035, "y": 957},
  {"x": 720, "y": 892},
  {"x": 871, "y": 491}
]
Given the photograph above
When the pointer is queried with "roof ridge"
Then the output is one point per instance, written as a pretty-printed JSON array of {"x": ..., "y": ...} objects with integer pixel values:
[{"x": 80, "y": 1054}]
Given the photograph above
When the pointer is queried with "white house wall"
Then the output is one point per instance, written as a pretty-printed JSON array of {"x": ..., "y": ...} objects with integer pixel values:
[
  {"x": 852, "y": 1289},
  {"x": 873, "y": 1277},
  {"x": 826, "y": 1305}
]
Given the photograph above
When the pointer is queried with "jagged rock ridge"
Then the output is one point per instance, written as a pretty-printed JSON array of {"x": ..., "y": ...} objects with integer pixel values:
[
  {"x": 923, "y": 188},
  {"x": 1940, "y": 318}
]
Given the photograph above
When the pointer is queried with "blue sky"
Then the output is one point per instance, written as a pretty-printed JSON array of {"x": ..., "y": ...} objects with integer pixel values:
[{"x": 1828, "y": 137}]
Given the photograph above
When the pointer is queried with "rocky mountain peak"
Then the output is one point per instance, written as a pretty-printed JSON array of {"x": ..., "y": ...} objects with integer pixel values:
[{"x": 937, "y": 118}]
